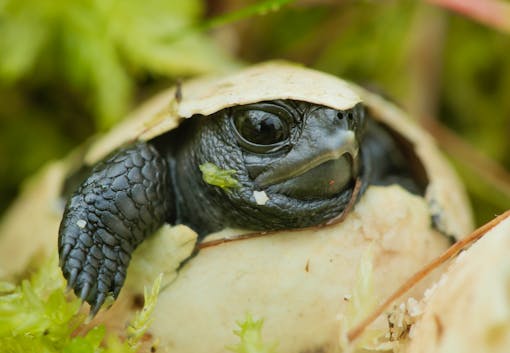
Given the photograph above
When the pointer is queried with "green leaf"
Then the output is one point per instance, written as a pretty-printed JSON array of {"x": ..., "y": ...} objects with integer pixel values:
[
  {"x": 94, "y": 64},
  {"x": 142, "y": 320},
  {"x": 36, "y": 315},
  {"x": 88, "y": 343},
  {"x": 98, "y": 48},
  {"x": 259, "y": 8},
  {"x": 24, "y": 33},
  {"x": 145, "y": 42},
  {"x": 250, "y": 336},
  {"x": 216, "y": 176}
]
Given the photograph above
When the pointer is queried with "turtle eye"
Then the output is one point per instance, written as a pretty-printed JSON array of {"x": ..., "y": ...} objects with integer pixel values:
[{"x": 260, "y": 127}]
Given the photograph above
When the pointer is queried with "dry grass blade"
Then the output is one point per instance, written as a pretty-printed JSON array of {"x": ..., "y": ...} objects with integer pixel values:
[{"x": 448, "y": 254}]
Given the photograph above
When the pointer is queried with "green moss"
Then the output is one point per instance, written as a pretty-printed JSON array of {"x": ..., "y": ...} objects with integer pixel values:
[
  {"x": 250, "y": 337},
  {"x": 218, "y": 177},
  {"x": 142, "y": 320},
  {"x": 38, "y": 316},
  {"x": 98, "y": 47}
]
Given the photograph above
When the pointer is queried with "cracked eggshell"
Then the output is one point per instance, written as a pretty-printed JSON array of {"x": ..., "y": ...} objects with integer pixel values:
[
  {"x": 469, "y": 311},
  {"x": 29, "y": 228},
  {"x": 296, "y": 280}
]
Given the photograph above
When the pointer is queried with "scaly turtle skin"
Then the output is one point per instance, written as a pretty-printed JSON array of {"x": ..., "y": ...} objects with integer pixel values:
[{"x": 305, "y": 157}]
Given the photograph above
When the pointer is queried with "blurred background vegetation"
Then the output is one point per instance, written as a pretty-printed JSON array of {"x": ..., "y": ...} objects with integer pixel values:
[{"x": 70, "y": 69}]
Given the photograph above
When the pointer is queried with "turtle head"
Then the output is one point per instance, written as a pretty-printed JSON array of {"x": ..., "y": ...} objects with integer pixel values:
[
  {"x": 302, "y": 157},
  {"x": 302, "y": 150}
]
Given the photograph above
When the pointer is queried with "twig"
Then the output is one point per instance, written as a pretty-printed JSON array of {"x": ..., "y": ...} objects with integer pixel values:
[{"x": 418, "y": 276}]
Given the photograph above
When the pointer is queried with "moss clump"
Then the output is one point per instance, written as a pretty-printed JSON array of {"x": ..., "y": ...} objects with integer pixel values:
[
  {"x": 218, "y": 177},
  {"x": 250, "y": 338},
  {"x": 38, "y": 316}
]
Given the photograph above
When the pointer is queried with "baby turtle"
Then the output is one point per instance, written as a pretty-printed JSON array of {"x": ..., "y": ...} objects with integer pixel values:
[{"x": 291, "y": 154}]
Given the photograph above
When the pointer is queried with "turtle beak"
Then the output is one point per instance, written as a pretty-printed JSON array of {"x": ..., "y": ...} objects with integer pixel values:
[{"x": 322, "y": 163}]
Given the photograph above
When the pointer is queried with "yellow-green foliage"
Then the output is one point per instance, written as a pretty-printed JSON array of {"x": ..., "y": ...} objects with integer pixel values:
[
  {"x": 218, "y": 177},
  {"x": 142, "y": 320},
  {"x": 250, "y": 337},
  {"x": 362, "y": 302},
  {"x": 97, "y": 47},
  {"x": 38, "y": 316}
]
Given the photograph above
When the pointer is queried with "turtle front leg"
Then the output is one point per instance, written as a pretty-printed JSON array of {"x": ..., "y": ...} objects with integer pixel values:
[{"x": 126, "y": 198}]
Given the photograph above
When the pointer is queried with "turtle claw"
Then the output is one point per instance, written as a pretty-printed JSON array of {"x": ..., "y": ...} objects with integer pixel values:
[
  {"x": 98, "y": 303},
  {"x": 85, "y": 291},
  {"x": 87, "y": 264},
  {"x": 71, "y": 280},
  {"x": 64, "y": 253}
]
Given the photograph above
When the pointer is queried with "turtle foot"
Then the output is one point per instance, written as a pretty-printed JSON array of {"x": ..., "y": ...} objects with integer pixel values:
[{"x": 124, "y": 200}]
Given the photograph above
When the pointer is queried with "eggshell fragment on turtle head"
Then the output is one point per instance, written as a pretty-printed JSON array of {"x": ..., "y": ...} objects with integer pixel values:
[{"x": 205, "y": 96}]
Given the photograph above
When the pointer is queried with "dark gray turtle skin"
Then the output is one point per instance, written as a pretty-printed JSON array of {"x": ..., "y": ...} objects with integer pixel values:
[{"x": 305, "y": 157}]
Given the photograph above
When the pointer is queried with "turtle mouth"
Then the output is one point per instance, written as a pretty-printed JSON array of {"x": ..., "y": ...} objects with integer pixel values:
[
  {"x": 341, "y": 144},
  {"x": 325, "y": 178},
  {"x": 316, "y": 169}
]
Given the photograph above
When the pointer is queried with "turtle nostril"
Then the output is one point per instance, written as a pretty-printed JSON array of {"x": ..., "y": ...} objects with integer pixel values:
[{"x": 342, "y": 115}]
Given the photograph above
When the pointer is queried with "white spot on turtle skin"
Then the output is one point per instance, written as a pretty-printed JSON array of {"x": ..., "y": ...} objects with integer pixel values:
[
  {"x": 260, "y": 197},
  {"x": 81, "y": 223}
]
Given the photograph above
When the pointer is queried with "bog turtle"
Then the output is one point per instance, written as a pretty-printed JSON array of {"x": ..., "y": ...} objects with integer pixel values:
[{"x": 272, "y": 147}]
